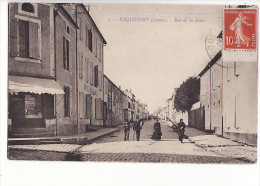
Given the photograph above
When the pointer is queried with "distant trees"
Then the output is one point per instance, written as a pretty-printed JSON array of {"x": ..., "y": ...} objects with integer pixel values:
[{"x": 187, "y": 94}]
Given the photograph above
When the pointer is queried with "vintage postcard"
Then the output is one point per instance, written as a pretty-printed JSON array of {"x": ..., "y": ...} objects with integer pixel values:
[{"x": 153, "y": 83}]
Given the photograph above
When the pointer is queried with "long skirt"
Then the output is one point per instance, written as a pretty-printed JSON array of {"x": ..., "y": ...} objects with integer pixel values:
[{"x": 157, "y": 134}]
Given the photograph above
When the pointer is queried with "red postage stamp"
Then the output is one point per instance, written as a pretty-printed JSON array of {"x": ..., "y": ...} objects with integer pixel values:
[{"x": 240, "y": 28}]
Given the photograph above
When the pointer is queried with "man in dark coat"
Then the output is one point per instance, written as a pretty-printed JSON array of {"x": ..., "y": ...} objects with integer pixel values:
[
  {"x": 137, "y": 128},
  {"x": 157, "y": 133},
  {"x": 181, "y": 130},
  {"x": 126, "y": 129}
]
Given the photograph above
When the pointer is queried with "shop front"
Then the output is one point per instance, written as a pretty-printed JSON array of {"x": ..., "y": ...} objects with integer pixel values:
[{"x": 31, "y": 108}]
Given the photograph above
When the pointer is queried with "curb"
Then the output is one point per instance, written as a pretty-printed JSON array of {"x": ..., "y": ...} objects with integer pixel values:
[{"x": 64, "y": 140}]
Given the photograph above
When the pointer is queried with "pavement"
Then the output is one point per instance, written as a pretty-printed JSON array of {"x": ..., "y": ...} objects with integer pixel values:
[
  {"x": 198, "y": 147},
  {"x": 220, "y": 145},
  {"x": 81, "y": 139}
]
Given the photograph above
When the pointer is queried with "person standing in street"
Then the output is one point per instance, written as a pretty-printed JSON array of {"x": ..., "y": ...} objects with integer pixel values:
[
  {"x": 157, "y": 133},
  {"x": 126, "y": 129},
  {"x": 137, "y": 128},
  {"x": 181, "y": 130}
]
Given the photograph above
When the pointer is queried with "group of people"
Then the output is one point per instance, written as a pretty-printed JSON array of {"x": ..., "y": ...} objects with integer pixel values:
[
  {"x": 157, "y": 133},
  {"x": 137, "y": 126}
]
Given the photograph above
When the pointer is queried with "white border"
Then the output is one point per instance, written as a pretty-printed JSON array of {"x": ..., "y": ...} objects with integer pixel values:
[{"x": 83, "y": 173}]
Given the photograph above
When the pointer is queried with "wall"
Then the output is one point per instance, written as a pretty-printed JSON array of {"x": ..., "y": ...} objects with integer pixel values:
[
  {"x": 26, "y": 66},
  {"x": 66, "y": 125},
  {"x": 210, "y": 95},
  {"x": 240, "y": 101}
]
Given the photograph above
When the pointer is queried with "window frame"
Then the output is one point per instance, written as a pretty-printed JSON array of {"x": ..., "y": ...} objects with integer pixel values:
[
  {"x": 35, "y": 5},
  {"x": 25, "y": 59}
]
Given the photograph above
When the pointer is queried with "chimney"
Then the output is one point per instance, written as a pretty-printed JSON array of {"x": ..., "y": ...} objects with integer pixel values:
[{"x": 119, "y": 87}]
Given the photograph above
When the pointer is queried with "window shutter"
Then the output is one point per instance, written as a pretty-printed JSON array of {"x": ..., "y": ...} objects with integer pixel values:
[
  {"x": 33, "y": 40},
  {"x": 88, "y": 106},
  {"x": 87, "y": 70},
  {"x": 99, "y": 108},
  {"x": 70, "y": 100},
  {"x": 86, "y": 36},
  {"x": 96, "y": 75},
  {"x": 13, "y": 37},
  {"x": 64, "y": 53}
]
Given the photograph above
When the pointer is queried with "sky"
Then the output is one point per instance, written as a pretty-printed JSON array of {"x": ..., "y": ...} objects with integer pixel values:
[{"x": 153, "y": 57}]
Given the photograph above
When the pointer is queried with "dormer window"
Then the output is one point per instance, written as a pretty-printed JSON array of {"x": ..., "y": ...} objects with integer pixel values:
[{"x": 28, "y": 7}]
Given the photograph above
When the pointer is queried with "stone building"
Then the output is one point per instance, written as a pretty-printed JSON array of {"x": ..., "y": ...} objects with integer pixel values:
[
  {"x": 32, "y": 67},
  {"x": 90, "y": 68},
  {"x": 115, "y": 104}
]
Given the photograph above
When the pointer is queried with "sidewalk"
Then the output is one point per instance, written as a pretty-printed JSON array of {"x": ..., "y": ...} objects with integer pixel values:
[
  {"x": 221, "y": 146},
  {"x": 80, "y": 139}
]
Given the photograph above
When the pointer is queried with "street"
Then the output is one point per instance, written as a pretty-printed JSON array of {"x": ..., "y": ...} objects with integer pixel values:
[{"x": 113, "y": 148}]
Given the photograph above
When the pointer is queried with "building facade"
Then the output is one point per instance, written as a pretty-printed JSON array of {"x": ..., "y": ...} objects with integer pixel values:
[
  {"x": 31, "y": 62},
  {"x": 211, "y": 92}
]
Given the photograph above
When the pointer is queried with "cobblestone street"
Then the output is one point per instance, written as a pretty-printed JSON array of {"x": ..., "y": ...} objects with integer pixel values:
[{"x": 113, "y": 148}]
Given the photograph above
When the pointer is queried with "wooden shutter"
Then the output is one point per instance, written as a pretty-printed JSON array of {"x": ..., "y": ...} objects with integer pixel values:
[
  {"x": 98, "y": 108},
  {"x": 65, "y": 52},
  {"x": 13, "y": 37},
  {"x": 87, "y": 75},
  {"x": 49, "y": 106},
  {"x": 96, "y": 75},
  {"x": 81, "y": 104},
  {"x": 33, "y": 40},
  {"x": 88, "y": 106},
  {"x": 86, "y": 36}
]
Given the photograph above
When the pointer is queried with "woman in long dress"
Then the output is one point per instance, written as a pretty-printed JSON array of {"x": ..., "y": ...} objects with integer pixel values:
[
  {"x": 241, "y": 39},
  {"x": 157, "y": 133}
]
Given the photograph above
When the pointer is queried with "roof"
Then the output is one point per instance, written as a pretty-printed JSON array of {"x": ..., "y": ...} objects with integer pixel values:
[
  {"x": 114, "y": 84},
  {"x": 87, "y": 12},
  {"x": 211, "y": 63},
  {"x": 68, "y": 15}
]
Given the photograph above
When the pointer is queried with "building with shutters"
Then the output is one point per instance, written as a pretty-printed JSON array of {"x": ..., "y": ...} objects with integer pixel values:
[
  {"x": 90, "y": 67},
  {"x": 34, "y": 92},
  {"x": 115, "y": 104}
]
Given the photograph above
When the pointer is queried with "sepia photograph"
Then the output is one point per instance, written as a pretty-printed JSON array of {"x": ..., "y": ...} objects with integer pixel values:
[
  {"x": 136, "y": 83},
  {"x": 132, "y": 83}
]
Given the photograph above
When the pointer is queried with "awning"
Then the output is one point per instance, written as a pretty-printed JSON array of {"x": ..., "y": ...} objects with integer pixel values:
[{"x": 33, "y": 85}]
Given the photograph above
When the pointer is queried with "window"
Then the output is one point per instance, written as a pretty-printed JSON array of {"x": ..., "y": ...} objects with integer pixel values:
[
  {"x": 228, "y": 73},
  {"x": 236, "y": 69},
  {"x": 81, "y": 29},
  {"x": 86, "y": 36},
  {"x": 91, "y": 72},
  {"x": 81, "y": 65},
  {"x": 98, "y": 109},
  {"x": 28, "y": 46},
  {"x": 95, "y": 46},
  {"x": 68, "y": 30},
  {"x": 67, "y": 101},
  {"x": 90, "y": 40},
  {"x": 66, "y": 53},
  {"x": 96, "y": 76},
  {"x": 28, "y": 7},
  {"x": 88, "y": 106},
  {"x": 87, "y": 69},
  {"x": 81, "y": 104}
]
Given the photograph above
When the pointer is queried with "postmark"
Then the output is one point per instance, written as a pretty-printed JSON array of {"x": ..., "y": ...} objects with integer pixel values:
[{"x": 240, "y": 30}]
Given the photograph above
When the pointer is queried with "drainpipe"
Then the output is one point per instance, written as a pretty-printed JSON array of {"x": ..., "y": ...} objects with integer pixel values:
[
  {"x": 55, "y": 70},
  {"x": 210, "y": 97},
  {"x": 77, "y": 90},
  {"x": 222, "y": 89}
]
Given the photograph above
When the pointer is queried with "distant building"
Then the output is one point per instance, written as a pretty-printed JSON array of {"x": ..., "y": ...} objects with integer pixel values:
[{"x": 115, "y": 104}]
